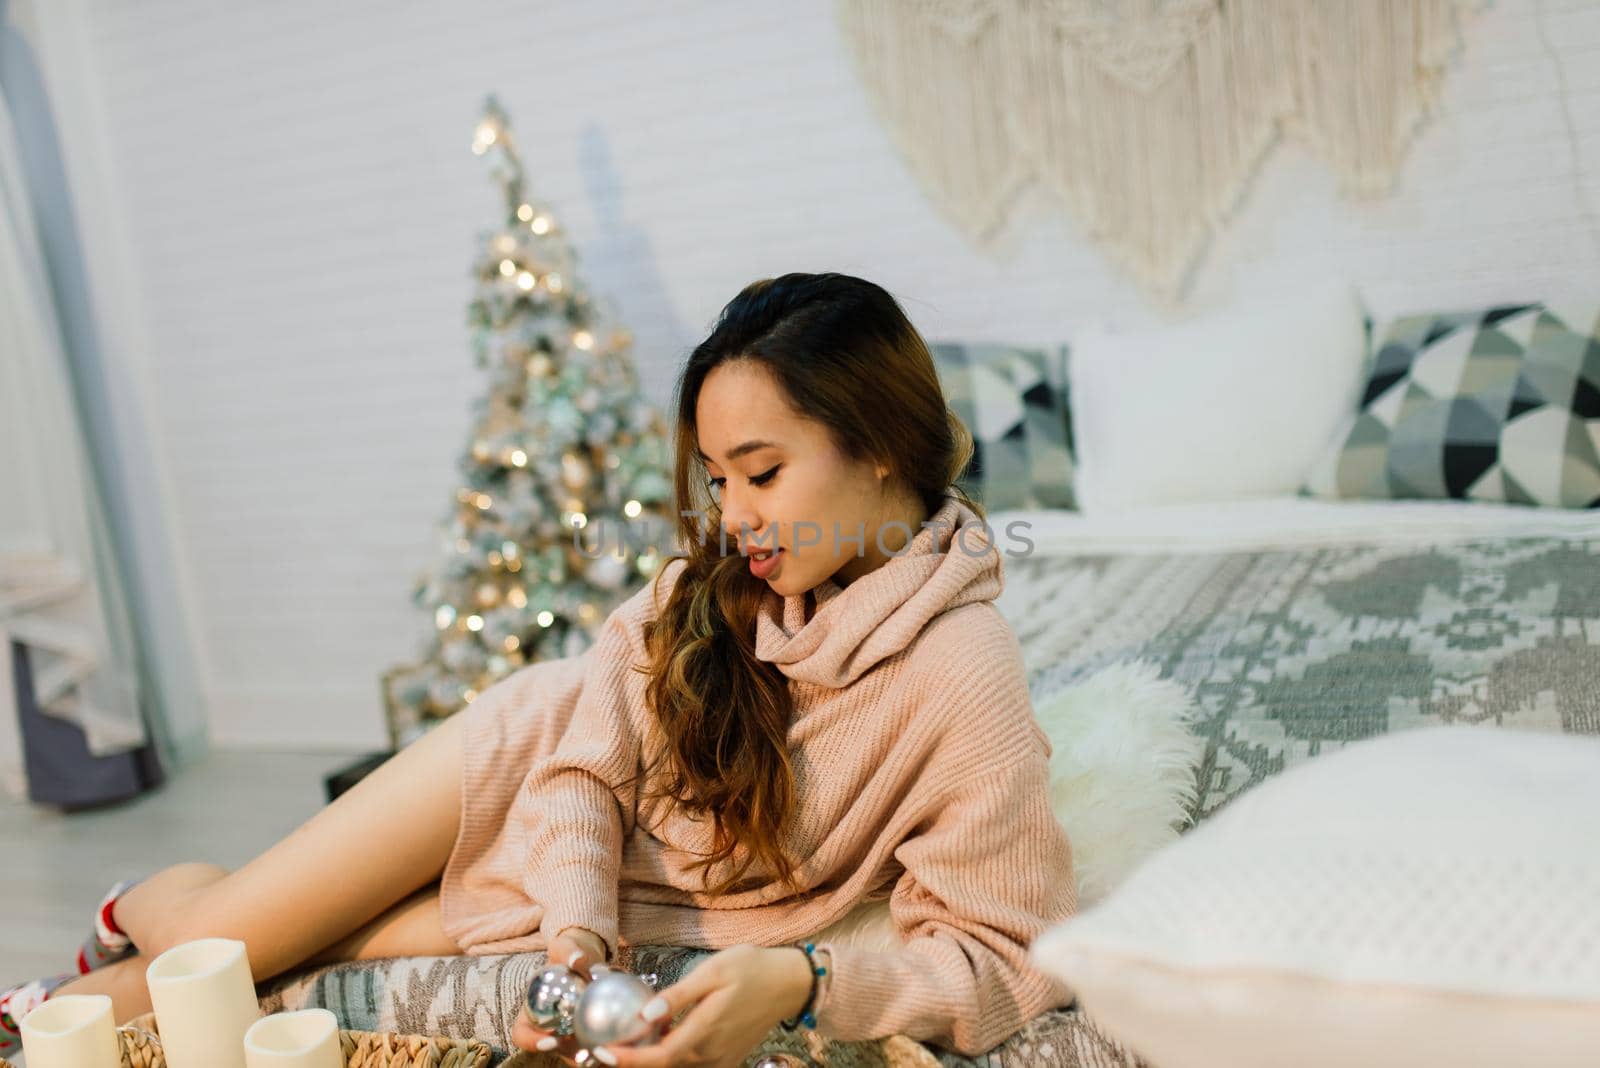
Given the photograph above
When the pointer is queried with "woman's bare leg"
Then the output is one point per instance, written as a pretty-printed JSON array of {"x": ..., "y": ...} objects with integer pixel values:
[
  {"x": 122, "y": 981},
  {"x": 409, "y": 929},
  {"x": 356, "y": 876}
]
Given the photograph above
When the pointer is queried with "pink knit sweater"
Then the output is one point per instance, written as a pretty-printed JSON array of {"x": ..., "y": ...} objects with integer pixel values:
[{"x": 922, "y": 777}]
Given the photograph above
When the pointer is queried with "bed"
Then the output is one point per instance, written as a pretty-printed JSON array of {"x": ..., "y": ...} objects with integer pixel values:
[{"x": 1299, "y": 624}]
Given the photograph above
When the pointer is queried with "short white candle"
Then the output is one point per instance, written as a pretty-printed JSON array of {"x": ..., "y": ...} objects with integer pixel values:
[
  {"x": 305, "y": 1039},
  {"x": 71, "y": 1031},
  {"x": 205, "y": 1000}
]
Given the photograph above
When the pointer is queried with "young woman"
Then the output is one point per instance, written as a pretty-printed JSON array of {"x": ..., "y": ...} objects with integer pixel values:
[{"x": 816, "y": 711}]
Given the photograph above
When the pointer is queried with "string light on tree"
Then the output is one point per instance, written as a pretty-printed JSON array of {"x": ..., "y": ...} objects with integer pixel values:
[{"x": 563, "y": 443}]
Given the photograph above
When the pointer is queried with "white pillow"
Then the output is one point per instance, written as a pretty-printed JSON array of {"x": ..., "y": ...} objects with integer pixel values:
[
  {"x": 1429, "y": 897},
  {"x": 1226, "y": 406}
]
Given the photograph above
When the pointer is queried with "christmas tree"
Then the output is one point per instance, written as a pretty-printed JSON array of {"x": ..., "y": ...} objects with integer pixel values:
[{"x": 566, "y": 503}]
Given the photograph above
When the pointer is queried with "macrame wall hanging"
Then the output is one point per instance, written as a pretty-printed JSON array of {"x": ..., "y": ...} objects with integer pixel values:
[{"x": 1147, "y": 118}]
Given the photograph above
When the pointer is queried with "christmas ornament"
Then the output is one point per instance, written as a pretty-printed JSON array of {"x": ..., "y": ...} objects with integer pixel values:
[
  {"x": 608, "y": 571},
  {"x": 608, "y": 1012},
  {"x": 602, "y": 1011},
  {"x": 553, "y": 999}
]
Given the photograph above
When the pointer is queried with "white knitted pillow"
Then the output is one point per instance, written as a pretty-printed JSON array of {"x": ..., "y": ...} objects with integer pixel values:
[{"x": 1426, "y": 897}]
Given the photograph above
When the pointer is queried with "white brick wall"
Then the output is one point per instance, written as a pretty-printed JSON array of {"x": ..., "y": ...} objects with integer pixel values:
[{"x": 301, "y": 204}]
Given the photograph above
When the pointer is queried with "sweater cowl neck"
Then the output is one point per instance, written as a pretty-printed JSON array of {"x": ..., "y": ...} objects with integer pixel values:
[{"x": 948, "y": 563}]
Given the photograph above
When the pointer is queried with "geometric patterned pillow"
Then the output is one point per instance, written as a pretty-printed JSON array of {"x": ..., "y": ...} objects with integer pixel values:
[
  {"x": 1014, "y": 401},
  {"x": 1490, "y": 405}
]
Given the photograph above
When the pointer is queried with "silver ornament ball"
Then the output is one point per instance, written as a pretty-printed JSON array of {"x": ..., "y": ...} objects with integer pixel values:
[
  {"x": 553, "y": 998},
  {"x": 608, "y": 1012}
]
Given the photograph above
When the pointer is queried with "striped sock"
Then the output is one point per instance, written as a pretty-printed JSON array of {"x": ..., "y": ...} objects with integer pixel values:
[
  {"x": 17, "y": 1003},
  {"x": 107, "y": 943}
]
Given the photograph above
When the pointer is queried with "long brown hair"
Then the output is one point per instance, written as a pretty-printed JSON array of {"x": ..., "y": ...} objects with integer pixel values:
[{"x": 845, "y": 354}]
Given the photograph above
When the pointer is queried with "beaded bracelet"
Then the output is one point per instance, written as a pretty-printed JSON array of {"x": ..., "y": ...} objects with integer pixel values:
[{"x": 805, "y": 1016}]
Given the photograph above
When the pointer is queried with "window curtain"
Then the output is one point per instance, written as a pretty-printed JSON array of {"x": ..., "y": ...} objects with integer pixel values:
[{"x": 73, "y": 729}]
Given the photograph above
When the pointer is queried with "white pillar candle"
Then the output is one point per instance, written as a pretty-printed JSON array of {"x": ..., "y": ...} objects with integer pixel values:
[
  {"x": 205, "y": 1000},
  {"x": 71, "y": 1031},
  {"x": 305, "y": 1039}
]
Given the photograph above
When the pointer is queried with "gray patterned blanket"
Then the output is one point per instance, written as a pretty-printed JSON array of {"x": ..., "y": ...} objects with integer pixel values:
[
  {"x": 1289, "y": 653},
  {"x": 1293, "y": 652}
]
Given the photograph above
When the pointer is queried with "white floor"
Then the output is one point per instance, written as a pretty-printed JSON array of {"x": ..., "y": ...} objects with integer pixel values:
[{"x": 54, "y": 868}]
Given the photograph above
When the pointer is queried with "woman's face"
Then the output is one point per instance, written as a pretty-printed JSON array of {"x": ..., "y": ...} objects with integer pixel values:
[{"x": 783, "y": 485}]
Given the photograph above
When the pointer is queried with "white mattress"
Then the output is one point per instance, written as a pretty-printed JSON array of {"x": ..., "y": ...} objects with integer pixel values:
[{"x": 1279, "y": 521}]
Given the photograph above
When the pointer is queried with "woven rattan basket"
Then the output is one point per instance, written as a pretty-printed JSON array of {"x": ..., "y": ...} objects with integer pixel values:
[{"x": 141, "y": 1048}]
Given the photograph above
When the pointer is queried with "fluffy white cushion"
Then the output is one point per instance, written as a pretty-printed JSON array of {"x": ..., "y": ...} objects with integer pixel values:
[
  {"x": 1422, "y": 898},
  {"x": 1122, "y": 769},
  {"x": 1231, "y": 405},
  {"x": 1122, "y": 778}
]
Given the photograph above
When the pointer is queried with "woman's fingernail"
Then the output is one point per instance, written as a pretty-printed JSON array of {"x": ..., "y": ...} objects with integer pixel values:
[
  {"x": 604, "y": 1055},
  {"x": 654, "y": 1009},
  {"x": 548, "y": 1042},
  {"x": 572, "y": 961}
]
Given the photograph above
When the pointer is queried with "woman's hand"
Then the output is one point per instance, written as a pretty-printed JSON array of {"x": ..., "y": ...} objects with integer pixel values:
[
  {"x": 579, "y": 949},
  {"x": 734, "y": 998}
]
